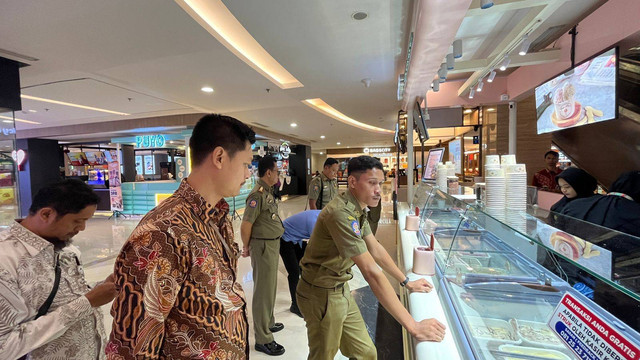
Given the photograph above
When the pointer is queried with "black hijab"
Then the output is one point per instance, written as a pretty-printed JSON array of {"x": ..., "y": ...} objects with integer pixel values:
[
  {"x": 612, "y": 211},
  {"x": 583, "y": 184}
]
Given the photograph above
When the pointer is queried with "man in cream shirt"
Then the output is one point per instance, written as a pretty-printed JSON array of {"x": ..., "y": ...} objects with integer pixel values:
[{"x": 36, "y": 251}]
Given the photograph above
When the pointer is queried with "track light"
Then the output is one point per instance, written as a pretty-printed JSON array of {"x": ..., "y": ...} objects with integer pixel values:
[
  {"x": 480, "y": 85},
  {"x": 485, "y": 4},
  {"x": 450, "y": 61},
  {"x": 525, "y": 45},
  {"x": 443, "y": 69},
  {"x": 492, "y": 76},
  {"x": 472, "y": 92},
  {"x": 457, "y": 49},
  {"x": 505, "y": 62},
  {"x": 435, "y": 85}
]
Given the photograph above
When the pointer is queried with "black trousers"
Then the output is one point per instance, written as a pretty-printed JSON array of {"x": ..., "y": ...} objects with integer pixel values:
[{"x": 291, "y": 254}]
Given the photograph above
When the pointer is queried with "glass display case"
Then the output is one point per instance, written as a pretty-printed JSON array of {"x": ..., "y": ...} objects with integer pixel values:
[{"x": 500, "y": 284}]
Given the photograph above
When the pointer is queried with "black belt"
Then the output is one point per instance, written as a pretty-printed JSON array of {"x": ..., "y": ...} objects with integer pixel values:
[
  {"x": 257, "y": 238},
  {"x": 339, "y": 286}
]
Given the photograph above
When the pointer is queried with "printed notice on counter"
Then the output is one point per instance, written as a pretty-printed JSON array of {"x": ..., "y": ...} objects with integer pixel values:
[{"x": 588, "y": 335}]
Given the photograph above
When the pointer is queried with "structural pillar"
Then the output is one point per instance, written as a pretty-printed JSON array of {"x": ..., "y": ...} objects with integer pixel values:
[{"x": 513, "y": 110}]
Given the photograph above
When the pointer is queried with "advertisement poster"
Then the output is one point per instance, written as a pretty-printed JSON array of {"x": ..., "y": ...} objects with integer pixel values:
[
  {"x": 455, "y": 154},
  {"x": 115, "y": 187},
  {"x": 572, "y": 247},
  {"x": 149, "y": 167},
  {"x": 139, "y": 168},
  {"x": 589, "y": 335},
  {"x": 583, "y": 95}
]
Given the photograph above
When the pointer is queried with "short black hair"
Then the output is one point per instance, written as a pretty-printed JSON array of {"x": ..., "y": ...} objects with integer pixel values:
[
  {"x": 264, "y": 164},
  {"x": 215, "y": 130},
  {"x": 66, "y": 197},
  {"x": 552, "y": 152},
  {"x": 361, "y": 164},
  {"x": 330, "y": 161}
]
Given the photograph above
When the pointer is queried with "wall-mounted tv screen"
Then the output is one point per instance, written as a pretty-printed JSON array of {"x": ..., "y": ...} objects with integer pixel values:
[
  {"x": 419, "y": 118},
  {"x": 583, "y": 95}
]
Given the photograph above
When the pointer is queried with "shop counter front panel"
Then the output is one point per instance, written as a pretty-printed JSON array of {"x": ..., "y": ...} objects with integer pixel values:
[{"x": 140, "y": 197}]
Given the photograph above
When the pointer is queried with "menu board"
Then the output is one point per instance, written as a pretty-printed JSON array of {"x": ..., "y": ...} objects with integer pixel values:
[
  {"x": 581, "y": 96},
  {"x": 96, "y": 158},
  {"x": 77, "y": 158}
]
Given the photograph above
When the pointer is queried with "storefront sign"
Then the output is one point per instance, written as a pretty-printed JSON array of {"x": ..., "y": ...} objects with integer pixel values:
[
  {"x": 588, "y": 335},
  {"x": 20, "y": 157},
  {"x": 285, "y": 150},
  {"x": 150, "y": 141},
  {"x": 8, "y": 131},
  {"x": 376, "y": 150},
  {"x": 115, "y": 187}
]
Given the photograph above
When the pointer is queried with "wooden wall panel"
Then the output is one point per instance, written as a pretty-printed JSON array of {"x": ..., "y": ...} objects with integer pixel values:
[
  {"x": 503, "y": 129},
  {"x": 530, "y": 147}
]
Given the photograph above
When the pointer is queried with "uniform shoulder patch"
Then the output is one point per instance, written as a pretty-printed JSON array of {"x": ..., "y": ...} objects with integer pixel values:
[
  {"x": 253, "y": 203},
  {"x": 355, "y": 227},
  {"x": 316, "y": 187}
]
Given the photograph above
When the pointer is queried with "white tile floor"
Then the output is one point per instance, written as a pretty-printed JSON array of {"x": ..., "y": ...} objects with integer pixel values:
[{"x": 103, "y": 238}]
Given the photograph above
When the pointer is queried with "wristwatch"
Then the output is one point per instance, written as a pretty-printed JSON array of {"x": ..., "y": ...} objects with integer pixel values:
[{"x": 406, "y": 280}]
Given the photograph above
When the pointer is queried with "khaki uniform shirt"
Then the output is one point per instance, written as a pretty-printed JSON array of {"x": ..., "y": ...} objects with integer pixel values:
[
  {"x": 262, "y": 212},
  {"x": 337, "y": 237},
  {"x": 329, "y": 189}
]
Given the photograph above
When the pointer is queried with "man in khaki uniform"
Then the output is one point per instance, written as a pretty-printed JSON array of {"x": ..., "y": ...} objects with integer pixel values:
[
  {"x": 324, "y": 188},
  {"x": 261, "y": 230},
  {"x": 340, "y": 239}
]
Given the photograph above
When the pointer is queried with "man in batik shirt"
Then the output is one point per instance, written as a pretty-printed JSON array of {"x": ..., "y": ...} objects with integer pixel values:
[{"x": 179, "y": 297}]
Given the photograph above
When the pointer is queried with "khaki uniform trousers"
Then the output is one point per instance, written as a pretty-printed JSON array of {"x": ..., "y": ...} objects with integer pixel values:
[
  {"x": 333, "y": 322},
  {"x": 264, "y": 261}
]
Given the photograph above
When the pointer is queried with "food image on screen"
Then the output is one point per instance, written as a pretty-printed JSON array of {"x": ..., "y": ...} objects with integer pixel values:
[
  {"x": 581, "y": 96},
  {"x": 435, "y": 156}
]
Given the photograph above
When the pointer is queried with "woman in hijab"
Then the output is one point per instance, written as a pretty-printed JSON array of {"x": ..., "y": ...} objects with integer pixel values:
[
  {"x": 575, "y": 184},
  {"x": 618, "y": 210}
]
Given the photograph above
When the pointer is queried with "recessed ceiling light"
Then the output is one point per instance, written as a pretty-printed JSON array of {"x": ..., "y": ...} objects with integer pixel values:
[
  {"x": 321, "y": 106},
  {"x": 359, "y": 15},
  {"x": 33, "y": 111},
  {"x": 491, "y": 109},
  {"x": 207, "y": 89},
  {"x": 216, "y": 18},
  {"x": 468, "y": 111},
  {"x": 9, "y": 120},
  {"x": 72, "y": 105},
  {"x": 294, "y": 124},
  {"x": 170, "y": 142},
  {"x": 338, "y": 143},
  {"x": 320, "y": 152},
  {"x": 322, "y": 136}
]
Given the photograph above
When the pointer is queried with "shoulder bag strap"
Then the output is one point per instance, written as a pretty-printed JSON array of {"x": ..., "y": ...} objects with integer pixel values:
[
  {"x": 56, "y": 284},
  {"x": 47, "y": 304},
  {"x": 320, "y": 200}
]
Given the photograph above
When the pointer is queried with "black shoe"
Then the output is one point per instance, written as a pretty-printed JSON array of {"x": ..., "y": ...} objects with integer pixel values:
[
  {"x": 276, "y": 327},
  {"x": 272, "y": 348},
  {"x": 294, "y": 309}
]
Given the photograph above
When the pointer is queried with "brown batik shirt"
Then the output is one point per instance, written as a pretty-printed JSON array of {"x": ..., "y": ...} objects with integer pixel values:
[{"x": 178, "y": 293}]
